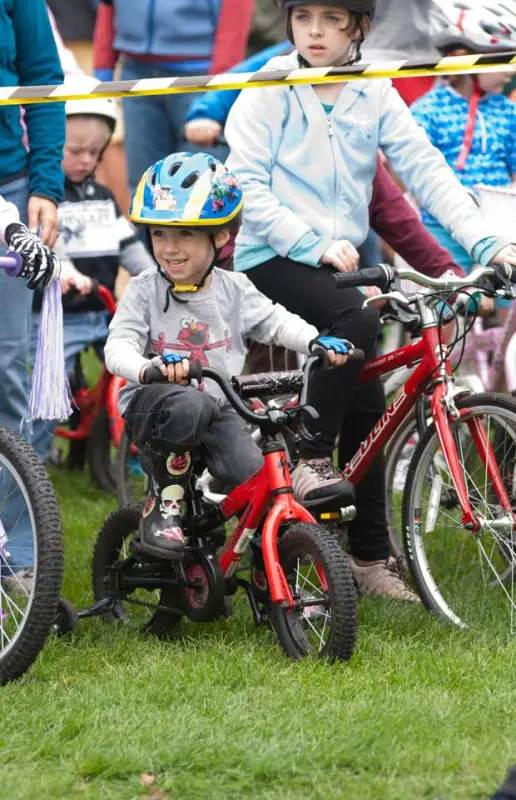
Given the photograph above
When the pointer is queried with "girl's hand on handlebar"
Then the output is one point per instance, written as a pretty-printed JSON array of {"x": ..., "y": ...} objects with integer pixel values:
[
  {"x": 507, "y": 255},
  {"x": 342, "y": 255}
]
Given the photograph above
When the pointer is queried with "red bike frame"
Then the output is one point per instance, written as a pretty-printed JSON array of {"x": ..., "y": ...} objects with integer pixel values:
[
  {"x": 104, "y": 394},
  {"x": 252, "y": 502},
  {"x": 428, "y": 352}
]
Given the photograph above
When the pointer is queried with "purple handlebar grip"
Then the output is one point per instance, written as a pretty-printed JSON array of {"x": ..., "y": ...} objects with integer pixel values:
[{"x": 12, "y": 263}]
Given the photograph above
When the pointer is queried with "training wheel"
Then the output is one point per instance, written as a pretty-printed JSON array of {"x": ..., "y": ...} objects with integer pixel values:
[{"x": 67, "y": 619}]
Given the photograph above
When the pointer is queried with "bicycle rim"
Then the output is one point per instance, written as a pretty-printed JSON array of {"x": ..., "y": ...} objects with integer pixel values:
[
  {"x": 18, "y": 526},
  {"x": 466, "y": 578}
]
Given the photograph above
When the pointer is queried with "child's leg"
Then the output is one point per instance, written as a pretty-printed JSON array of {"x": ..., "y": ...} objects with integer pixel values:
[
  {"x": 312, "y": 294},
  {"x": 231, "y": 454},
  {"x": 171, "y": 420},
  {"x": 367, "y": 533}
]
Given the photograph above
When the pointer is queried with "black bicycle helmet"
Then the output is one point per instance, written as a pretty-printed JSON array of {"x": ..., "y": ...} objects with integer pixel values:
[{"x": 367, "y": 7}]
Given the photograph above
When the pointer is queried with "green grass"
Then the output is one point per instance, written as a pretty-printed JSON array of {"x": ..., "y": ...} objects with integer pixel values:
[{"x": 421, "y": 711}]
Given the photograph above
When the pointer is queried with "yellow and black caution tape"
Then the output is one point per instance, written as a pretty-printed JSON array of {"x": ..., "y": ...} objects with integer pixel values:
[{"x": 456, "y": 65}]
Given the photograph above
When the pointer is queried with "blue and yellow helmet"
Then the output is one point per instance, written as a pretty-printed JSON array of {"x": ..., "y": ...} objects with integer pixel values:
[{"x": 187, "y": 191}]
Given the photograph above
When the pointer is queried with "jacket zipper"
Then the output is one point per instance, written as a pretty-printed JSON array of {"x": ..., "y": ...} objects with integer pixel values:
[
  {"x": 150, "y": 25},
  {"x": 330, "y": 134}
]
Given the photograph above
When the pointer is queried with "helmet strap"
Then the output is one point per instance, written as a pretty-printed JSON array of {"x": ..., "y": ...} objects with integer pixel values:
[{"x": 174, "y": 291}]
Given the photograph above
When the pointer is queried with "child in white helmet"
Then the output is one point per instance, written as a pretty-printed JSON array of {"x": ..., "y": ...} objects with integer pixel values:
[
  {"x": 467, "y": 116},
  {"x": 306, "y": 157},
  {"x": 94, "y": 239}
]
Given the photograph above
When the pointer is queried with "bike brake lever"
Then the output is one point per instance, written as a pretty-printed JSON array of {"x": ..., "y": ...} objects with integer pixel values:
[{"x": 396, "y": 296}]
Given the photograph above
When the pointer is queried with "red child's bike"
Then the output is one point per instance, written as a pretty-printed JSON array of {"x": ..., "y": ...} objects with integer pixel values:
[
  {"x": 95, "y": 427},
  {"x": 300, "y": 579}
]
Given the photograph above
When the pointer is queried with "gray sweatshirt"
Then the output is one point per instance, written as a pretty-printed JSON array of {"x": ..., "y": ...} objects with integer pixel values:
[{"x": 212, "y": 327}]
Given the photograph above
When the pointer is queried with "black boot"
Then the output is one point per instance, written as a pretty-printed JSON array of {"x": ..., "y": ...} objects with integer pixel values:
[{"x": 161, "y": 525}]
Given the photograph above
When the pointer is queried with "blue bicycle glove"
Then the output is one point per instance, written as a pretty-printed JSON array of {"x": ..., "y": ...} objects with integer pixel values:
[
  {"x": 340, "y": 346},
  {"x": 171, "y": 358}
]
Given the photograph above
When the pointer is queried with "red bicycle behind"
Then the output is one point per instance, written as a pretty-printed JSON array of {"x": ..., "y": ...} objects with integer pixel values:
[
  {"x": 302, "y": 581},
  {"x": 459, "y": 503},
  {"x": 95, "y": 426}
]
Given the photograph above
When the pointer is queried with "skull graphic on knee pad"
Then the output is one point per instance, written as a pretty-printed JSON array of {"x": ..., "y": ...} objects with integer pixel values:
[{"x": 171, "y": 504}]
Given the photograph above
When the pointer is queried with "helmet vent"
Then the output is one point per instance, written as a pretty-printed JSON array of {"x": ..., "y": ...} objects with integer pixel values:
[
  {"x": 174, "y": 168},
  {"x": 190, "y": 180}
]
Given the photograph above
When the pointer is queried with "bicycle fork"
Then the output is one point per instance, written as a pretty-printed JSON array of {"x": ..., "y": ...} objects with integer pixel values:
[{"x": 441, "y": 410}]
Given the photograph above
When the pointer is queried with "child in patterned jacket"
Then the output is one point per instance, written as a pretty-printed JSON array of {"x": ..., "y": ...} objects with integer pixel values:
[{"x": 467, "y": 117}]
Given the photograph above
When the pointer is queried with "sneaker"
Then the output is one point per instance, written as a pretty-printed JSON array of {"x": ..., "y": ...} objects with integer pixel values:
[
  {"x": 315, "y": 481},
  {"x": 381, "y": 578},
  {"x": 21, "y": 582}
]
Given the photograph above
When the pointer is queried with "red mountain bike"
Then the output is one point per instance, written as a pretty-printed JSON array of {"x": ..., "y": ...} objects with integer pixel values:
[
  {"x": 459, "y": 502},
  {"x": 302, "y": 581}
]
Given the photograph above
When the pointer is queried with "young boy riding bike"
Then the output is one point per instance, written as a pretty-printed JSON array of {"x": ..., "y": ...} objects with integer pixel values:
[
  {"x": 189, "y": 310},
  {"x": 306, "y": 157}
]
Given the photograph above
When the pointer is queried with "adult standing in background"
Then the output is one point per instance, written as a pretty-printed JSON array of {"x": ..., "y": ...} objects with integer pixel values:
[
  {"x": 31, "y": 178},
  {"x": 157, "y": 39}
]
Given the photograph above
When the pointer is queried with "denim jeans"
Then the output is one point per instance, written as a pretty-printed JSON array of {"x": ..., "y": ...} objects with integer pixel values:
[
  {"x": 154, "y": 125},
  {"x": 179, "y": 418},
  {"x": 15, "y": 322},
  {"x": 80, "y": 329}
]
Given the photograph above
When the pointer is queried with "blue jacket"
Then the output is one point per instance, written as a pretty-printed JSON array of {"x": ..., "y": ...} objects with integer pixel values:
[
  {"x": 307, "y": 176},
  {"x": 28, "y": 56},
  {"x": 443, "y": 113},
  {"x": 217, "y": 105},
  {"x": 179, "y": 29}
]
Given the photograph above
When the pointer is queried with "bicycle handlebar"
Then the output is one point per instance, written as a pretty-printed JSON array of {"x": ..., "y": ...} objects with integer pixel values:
[
  {"x": 299, "y": 380},
  {"x": 12, "y": 263},
  {"x": 384, "y": 276}
]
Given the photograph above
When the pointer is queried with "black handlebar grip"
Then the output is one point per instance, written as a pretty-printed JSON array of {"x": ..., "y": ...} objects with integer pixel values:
[
  {"x": 356, "y": 357},
  {"x": 195, "y": 371},
  {"x": 153, "y": 373},
  {"x": 370, "y": 276}
]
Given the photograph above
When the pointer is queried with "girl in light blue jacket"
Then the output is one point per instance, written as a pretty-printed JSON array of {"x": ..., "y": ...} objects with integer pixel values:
[{"x": 306, "y": 158}]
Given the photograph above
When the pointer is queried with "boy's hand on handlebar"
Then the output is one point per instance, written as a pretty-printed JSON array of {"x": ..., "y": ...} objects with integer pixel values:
[
  {"x": 171, "y": 366},
  {"x": 71, "y": 278},
  {"x": 342, "y": 255},
  {"x": 202, "y": 132},
  {"x": 337, "y": 350}
]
